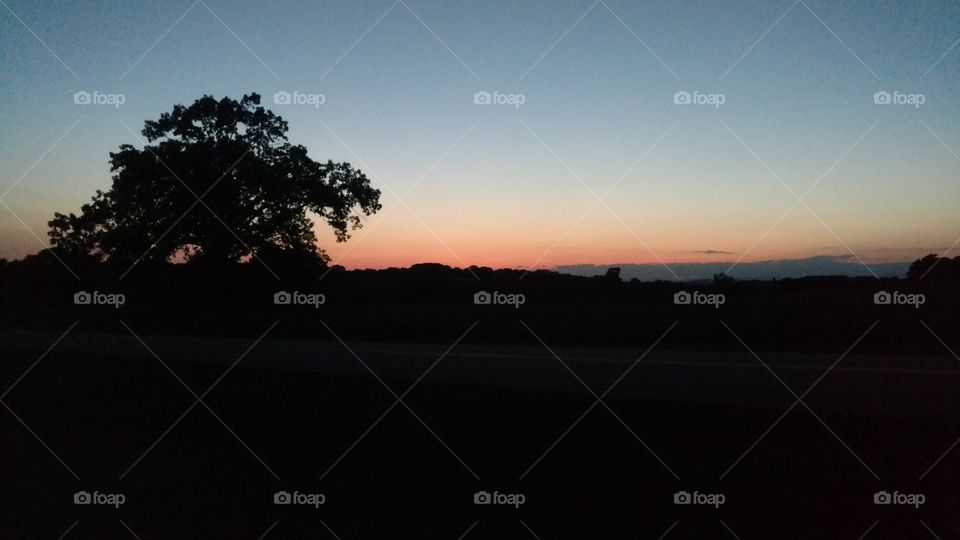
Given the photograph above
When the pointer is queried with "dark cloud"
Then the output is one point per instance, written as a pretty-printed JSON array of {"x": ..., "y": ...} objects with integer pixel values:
[{"x": 712, "y": 252}]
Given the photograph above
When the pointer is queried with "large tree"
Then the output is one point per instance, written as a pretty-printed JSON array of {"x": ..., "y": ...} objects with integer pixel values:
[{"x": 217, "y": 180}]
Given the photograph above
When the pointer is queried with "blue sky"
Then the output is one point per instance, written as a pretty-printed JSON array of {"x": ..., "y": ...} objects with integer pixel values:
[{"x": 516, "y": 186}]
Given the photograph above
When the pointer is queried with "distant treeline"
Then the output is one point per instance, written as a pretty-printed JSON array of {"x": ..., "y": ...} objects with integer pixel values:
[{"x": 436, "y": 303}]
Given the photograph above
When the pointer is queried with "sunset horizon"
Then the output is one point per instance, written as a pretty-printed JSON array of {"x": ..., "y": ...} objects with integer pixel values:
[
  {"x": 460, "y": 269},
  {"x": 658, "y": 152}
]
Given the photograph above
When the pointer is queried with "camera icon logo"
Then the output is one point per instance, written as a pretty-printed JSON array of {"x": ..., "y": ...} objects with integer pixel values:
[
  {"x": 282, "y": 298},
  {"x": 482, "y": 298},
  {"x": 681, "y": 497},
  {"x": 281, "y": 497},
  {"x": 81, "y": 497},
  {"x": 282, "y": 98},
  {"x": 482, "y": 497},
  {"x": 682, "y": 98},
  {"x": 82, "y": 298},
  {"x": 682, "y": 298},
  {"x": 881, "y": 98},
  {"x": 82, "y": 98},
  {"x": 882, "y": 298},
  {"x": 882, "y": 497},
  {"x": 482, "y": 98}
]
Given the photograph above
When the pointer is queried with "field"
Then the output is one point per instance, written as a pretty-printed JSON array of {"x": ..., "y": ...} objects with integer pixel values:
[{"x": 409, "y": 469}]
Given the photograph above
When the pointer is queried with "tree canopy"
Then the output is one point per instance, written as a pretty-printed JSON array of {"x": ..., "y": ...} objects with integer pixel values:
[
  {"x": 217, "y": 180},
  {"x": 934, "y": 268}
]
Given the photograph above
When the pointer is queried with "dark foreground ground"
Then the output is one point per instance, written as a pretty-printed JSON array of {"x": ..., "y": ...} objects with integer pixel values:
[
  {"x": 125, "y": 424},
  {"x": 200, "y": 450}
]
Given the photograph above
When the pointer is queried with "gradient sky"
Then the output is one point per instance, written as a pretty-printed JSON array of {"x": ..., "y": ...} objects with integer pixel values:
[{"x": 504, "y": 186}]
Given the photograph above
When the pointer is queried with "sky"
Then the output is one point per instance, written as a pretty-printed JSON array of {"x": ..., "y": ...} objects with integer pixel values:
[{"x": 586, "y": 150}]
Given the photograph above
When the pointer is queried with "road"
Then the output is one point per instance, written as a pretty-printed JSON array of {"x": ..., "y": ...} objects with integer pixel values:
[{"x": 866, "y": 384}]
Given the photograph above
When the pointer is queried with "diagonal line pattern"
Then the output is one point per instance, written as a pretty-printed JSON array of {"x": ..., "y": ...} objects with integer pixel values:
[
  {"x": 265, "y": 533},
  {"x": 199, "y": 399},
  {"x": 760, "y": 438},
  {"x": 599, "y": 198},
  {"x": 799, "y": 199},
  {"x": 380, "y": 18},
  {"x": 160, "y": 438},
  {"x": 127, "y": 527},
  {"x": 159, "y": 39},
  {"x": 937, "y": 137},
  {"x": 645, "y": 46},
  {"x": 402, "y": 195},
  {"x": 799, "y": 399},
  {"x": 577, "y": 22},
  {"x": 559, "y": 39},
  {"x": 42, "y": 42},
  {"x": 360, "y": 438},
  {"x": 599, "y": 400},
  {"x": 359, "y": 39},
  {"x": 842, "y": 42},
  {"x": 199, "y": 200},
  {"x": 242, "y": 42},
  {"x": 759, "y": 39},
  {"x": 329, "y": 530},
  {"x": 597, "y": 201},
  {"x": 39, "y": 159},
  {"x": 42, "y": 243},
  {"x": 400, "y": 198},
  {"x": 870, "y": 528},
  {"x": 462, "y": 536},
  {"x": 399, "y": 399},
  {"x": 955, "y": 443},
  {"x": 22, "y": 176},
  {"x": 942, "y": 56},
  {"x": 41, "y": 441},
  {"x": 222, "y": 23},
  {"x": 434, "y": 34},
  {"x": 41, "y": 357},
  {"x": 527, "y": 527},
  {"x": 929, "y": 530},
  {"x": 780, "y": 18},
  {"x": 957, "y": 241},
  {"x": 666, "y": 532},
  {"x": 70, "y": 528},
  {"x": 729, "y": 530}
]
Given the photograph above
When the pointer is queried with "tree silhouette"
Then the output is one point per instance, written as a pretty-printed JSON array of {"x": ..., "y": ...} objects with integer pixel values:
[
  {"x": 613, "y": 274},
  {"x": 217, "y": 180},
  {"x": 722, "y": 279},
  {"x": 934, "y": 268}
]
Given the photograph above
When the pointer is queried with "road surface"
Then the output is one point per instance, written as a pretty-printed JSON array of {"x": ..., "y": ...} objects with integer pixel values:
[{"x": 874, "y": 385}]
